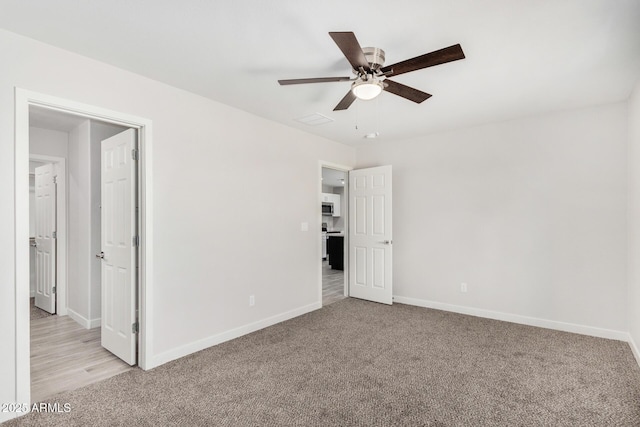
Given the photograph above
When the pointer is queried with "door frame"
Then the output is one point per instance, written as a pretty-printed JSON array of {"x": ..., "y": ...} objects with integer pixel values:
[
  {"x": 23, "y": 100},
  {"x": 344, "y": 212},
  {"x": 61, "y": 228}
]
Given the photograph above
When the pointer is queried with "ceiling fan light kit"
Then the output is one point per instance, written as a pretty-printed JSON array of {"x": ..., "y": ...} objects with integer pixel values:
[
  {"x": 367, "y": 89},
  {"x": 373, "y": 77}
]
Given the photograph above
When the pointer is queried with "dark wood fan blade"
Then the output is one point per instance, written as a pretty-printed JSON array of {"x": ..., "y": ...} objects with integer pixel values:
[
  {"x": 404, "y": 91},
  {"x": 346, "y": 101},
  {"x": 442, "y": 56},
  {"x": 313, "y": 80},
  {"x": 351, "y": 49}
]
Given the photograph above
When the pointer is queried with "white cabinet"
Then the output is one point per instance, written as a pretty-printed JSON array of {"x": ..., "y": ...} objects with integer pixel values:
[
  {"x": 336, "y": 204},
  {"x": 334, "y": 199}
]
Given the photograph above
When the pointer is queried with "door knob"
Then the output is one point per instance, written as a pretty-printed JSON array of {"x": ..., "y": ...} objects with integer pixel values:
[
  {"x": 387, "y": 242},
  {"x": 100, "y": 255}
]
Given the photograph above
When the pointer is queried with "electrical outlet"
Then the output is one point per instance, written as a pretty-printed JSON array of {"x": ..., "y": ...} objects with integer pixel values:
[
  {"x": 252, "y": 300},
  {"x": 463, "y": 287}
]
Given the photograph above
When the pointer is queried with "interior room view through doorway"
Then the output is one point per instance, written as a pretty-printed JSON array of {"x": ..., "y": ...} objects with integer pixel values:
[
  {"x": 72, "y": 205},
  {"x": 334, "y": 227}
]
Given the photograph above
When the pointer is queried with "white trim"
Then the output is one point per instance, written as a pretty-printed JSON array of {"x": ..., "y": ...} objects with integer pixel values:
[
  {"x": 21, "y": 218},
  {"x": 195, "y": 346},
  {"x": 345, "y": 214},
  {"x": 23, "y": 100},
  {"x": 145, "y": 230},
  {"x": 634, "y": 349},
  {"x": 516, "y": 318},
  {"x": 83, "y": 321},
  {"x": 61, "y": 227}
]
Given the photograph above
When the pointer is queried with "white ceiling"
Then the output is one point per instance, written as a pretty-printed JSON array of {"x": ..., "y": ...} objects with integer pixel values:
[
  {"x": 44, "y": 118},
  {"x": 523, "y": 57},
  {"x": 333, "y": 177}
]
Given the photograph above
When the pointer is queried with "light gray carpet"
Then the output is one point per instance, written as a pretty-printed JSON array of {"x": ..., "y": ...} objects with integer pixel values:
[
  {"x": 35, "y": 312},
  {"x": 366, "y": 364}
]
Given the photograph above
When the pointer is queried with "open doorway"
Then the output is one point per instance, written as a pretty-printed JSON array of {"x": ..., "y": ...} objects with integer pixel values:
[
  {"x": 368, "y": 244},
  {"x": 334, "y": 208},
  {"x": 47, "y": 235},
  {"x": 82, "y": 305},
  {"x": 65, "y": 232}
]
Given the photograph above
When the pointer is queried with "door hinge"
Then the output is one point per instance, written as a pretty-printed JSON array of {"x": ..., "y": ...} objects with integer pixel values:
[
  {"x": 135, "y": 327},
  {"x": 53, "y": 290},
  {"x": 135, "y": 241},
  {"x": 55, "y": 235},
  {"x": 134, "y": 154},
  {"x": 55, "y": 179}
]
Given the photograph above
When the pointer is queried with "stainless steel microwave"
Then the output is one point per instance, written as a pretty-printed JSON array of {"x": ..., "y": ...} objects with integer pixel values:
[{"x": 327, "y": 209}]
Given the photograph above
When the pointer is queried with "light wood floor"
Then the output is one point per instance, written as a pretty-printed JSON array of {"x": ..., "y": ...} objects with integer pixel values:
[
  {"x": 65, "y": 356},
  {"x": 332, "y": 284}
]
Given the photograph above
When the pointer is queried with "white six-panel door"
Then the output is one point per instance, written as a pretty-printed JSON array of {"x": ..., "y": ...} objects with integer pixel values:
[
  {"x": 118, "y": 231},
  {"x": 370, "y": 234},
  {"x": 45, "y": 222}
]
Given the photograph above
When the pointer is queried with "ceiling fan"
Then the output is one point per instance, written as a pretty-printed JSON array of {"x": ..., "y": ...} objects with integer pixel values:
[{"x": 372, "y": 77}]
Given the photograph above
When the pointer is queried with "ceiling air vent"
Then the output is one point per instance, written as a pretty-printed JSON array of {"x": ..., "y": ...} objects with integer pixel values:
[{"x": 314, "y": 119}]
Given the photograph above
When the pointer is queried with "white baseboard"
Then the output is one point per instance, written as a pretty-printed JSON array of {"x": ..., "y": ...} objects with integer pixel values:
[
  {"x": 83, "y": 321},
  {"x": 95, "y": 323},
  {"x": 634, "y": 349},
  {"x": 193, "y": 347},
  {"x": 32, "y": 294},
  {"x": 515, "y": 318}
]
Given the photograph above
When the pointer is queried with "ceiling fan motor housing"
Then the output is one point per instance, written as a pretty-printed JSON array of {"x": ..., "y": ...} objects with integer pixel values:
[{"x": 375, "y": 57}]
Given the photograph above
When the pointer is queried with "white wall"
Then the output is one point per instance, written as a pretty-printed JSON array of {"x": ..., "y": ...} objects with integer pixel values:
[
  {"x": 48, "y": 142},
  {"x": 79, "y": 232},
  {"x": 634, "y": 219},
  {"x": 219, "y": 232},
  {"x": 530, "y": 213}
]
